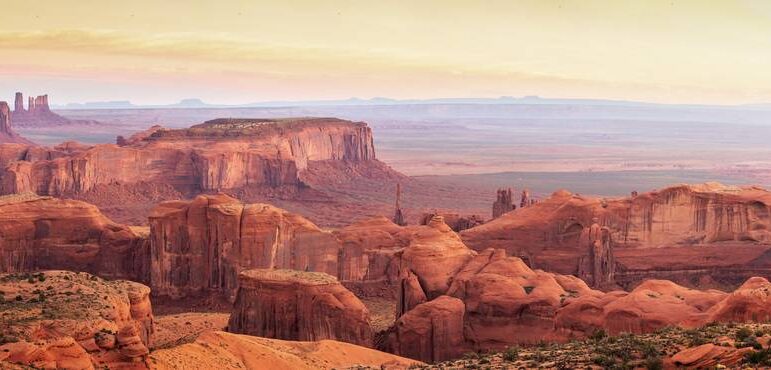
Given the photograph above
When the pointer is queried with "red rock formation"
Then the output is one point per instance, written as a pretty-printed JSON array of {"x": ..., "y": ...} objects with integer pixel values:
[
  {"x": 7, "y": 135},
  {"x": 200, "y": 246},
  {"x": 455, "y": 221},
  {"x": 18, "y": 105},
  {"x": 295, "y": 305},
  {"x": 707, "y": 356},
  {"x": 694, "y": 234},
  {"x": 47, "y": 233},
  {"x": 599, "y": 266},
  {"x": 226, "y": 351},
  {"x": 503, "y": 203},
  {"x": 237, "y": 154},
  {"x": 398, "y": 215},
  {"x": 81, "y": 322},
  {"x": 525, "y": 199},
  {"x": 432, "y": 331}
]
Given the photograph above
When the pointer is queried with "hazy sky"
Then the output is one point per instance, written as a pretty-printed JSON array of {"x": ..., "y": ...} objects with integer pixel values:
[{"x": 700, "y": 51}]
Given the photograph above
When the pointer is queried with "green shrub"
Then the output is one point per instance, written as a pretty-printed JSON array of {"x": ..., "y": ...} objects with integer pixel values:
[
  {"x": 598, "y": 335},
  {"x": 654, "y": 363},
  {"x": 511, "y": 354}
]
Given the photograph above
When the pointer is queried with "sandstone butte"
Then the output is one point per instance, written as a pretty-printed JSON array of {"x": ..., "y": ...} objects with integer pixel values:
[
  {"x": 298, "y": 305},
  {"x": 697, "y": 235},
  {"x": 70, "y": 320},
  {"x": 62, "y": 319},
  {"x": 238, "y": 154}
]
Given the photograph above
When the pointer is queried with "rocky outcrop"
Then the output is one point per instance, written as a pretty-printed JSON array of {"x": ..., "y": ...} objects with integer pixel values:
[
  {"x": 455, "y": 221},
  {"x": 296, "y": 305},
  {"x": 237, "y": 154},
  {"x": 699, "y": 235},
  {"x": 47, "y": 233},
  {"x": 503, "y": 203},
  {"x": 61, "y": 319},
  {"x": 226, "y": 351},
  {"x": 7, "y": 135},
  {"x": 493, "y": 295},
  {"x": 598, "y": 267},
  {"x": 39, "y": 114},
  {"x": 432, "y": 331},
  {"x": 201, "y": 246}
]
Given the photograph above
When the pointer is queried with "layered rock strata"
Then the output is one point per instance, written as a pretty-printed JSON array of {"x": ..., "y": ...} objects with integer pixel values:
[
  {"x": 296, "y": 305},
  {"x": 698, "y": 235}
]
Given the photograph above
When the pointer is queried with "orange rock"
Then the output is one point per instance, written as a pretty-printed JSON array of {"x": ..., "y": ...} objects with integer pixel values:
[
  {"x": 295, "y": 305},
  {"x": 432, "y": 331},
  {"x": 683, "y": 233},
  {"x": 707, "y": 356},
  {"x": 61, "y": 319},
  {"x": 220, "y": 350},
  {"x": 48, "y": 233}
]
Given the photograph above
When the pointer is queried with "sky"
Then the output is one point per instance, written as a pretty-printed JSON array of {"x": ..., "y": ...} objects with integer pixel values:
[{"x": 234, "y": 52}]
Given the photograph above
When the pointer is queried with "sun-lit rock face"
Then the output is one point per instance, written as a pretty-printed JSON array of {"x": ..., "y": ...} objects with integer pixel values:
[
  {"x": 490, "y": 295},
  {"x": 62, "y": 319},
  {"x": 297, "y": 305},
  {"x": 200, "y": 246},
  {"x": 7, "y": 135},
  {"x": 226, "y": 351},
  {"x": 48, "y": 233},
  {"x": 216, "y": 155},
  {"x": 710, "y": 234}
]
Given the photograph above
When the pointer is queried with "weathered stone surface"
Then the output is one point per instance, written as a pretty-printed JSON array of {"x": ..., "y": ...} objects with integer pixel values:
[
  {"x": 47, "y": 233},
  {"x": 455, "y": 221},
  {"x": 7, "y": 135},
  {"x": 237, "y": 154},
  {"x": 432, "y": 331},
  {"x": 503, "y": 203},
  {"x": 705, "y": 235},
  {"x": 296, "y": 305},
  {"x": 200, "y": 246},
  {"x": 226, "y": 351},
  {"x": 62, "y": 319}
]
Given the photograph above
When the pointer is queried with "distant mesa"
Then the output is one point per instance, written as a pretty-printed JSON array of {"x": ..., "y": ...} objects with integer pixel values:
[{"x": 38, "y": 113}]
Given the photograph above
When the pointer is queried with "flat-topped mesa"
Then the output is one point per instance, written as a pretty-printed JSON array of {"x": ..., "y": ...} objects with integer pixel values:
[
  {"x": 298, "y": 305},
  {"x": 707, "y": 235},
  {"x": 216, "y": 155}
]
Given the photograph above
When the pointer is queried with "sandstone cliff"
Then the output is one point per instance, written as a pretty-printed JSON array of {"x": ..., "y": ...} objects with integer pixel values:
[
  {"x": 709, "y": 234},
  {"x": 217, "y": 155},
  {"x": 61, "y": 319},
  {"x": 47, "y": 233},
  {"x": 200, "y": 246},
  {"x": 296, "y": 305},
  {"x": 7, "y": 135}
]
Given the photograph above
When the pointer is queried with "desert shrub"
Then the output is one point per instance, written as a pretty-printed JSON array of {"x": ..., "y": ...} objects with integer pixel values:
[
  {"x": 762, "y": 357},
  {"x": 654, "y": 363},
  {"x": 743, "y": 334},
  {"x": 598, "y": 335},
  {"x": 511, "y": 354}
]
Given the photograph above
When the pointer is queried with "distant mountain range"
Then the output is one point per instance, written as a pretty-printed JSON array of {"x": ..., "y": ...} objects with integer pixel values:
[{"x": 198, "y": 103}]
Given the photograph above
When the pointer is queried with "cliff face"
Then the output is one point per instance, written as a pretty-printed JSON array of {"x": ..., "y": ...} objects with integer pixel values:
[
  {"x": 295, "y": 305},
  {"x": 7, "y": 135},
  {"x": 46, "y": 233},
  {"x": 219, "y": 154},
  {"x": 709, "y": 234},
  {"x": 202, "y": 245}
]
